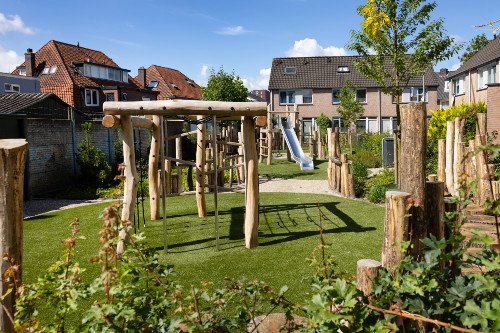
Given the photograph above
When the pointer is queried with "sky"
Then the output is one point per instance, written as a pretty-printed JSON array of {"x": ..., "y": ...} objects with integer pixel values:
[{"x": 196, "y": 36}]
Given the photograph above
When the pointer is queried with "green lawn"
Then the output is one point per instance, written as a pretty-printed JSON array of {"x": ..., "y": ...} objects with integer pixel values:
[
  {"x": 288, "y": 232},
  {"x": 281, "y": 168}
]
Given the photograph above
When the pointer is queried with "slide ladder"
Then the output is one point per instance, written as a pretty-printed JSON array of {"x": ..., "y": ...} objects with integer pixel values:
[{"x": 293, "y": 144}]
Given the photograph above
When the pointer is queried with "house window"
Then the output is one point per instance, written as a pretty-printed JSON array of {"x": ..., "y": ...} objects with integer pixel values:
[
  {"x": 458, "y": 86},
  {"x": 91, "y": 97},
  {"x": 46, "y": 70},
  {"x": 446, "y": 85},
  {"x": 343, "y": 69},
  {"x": 290, "y": 70},
  {"x": 340, "y": 123},
  {"x": 146, "y": 98},
  {"x": 22, "y": 72},
  {"x": 296, "y": 97},
  {"x": 12, "y": 88},
  {"x": 124, "y": 97},
  {"x": 52, "y": 70},
  {"x": 173, "y": 85},
  {"x": 413, "y": 94},
  {"x": 361, "y": 95},
  {"x": 335, "y": 96},
  {"x": 153, "y": 84},
  {"x": 110, "y": 97},
  {"x": 189, "y": 82},
  {"x": 105, "y": 73},
  {"x": 492, "y": 73},
  {"x": 367, "y": 124}
]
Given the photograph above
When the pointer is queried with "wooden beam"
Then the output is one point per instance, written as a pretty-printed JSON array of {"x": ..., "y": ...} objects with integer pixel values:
[
  {"x": 227, "y": 143},
  {"x": 181, "y": 135},
  {"x": 110, "y": 121},
  {"x": 261, "y": 121},
  {"x": 154, "y": 185},
  {"x": 200, "y": 170},
  {"x": 252, "y": 184},
  {"x": 179, "y": 161},
  {"x": 186, "y": 107},
  {"x": 131, "y": 179},
  {"x": 225, "y": 168},
  {"x": 13, "y": 154}
]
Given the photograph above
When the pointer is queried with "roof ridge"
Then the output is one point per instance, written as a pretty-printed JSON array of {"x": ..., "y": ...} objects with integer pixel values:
[{"x": 62, "y": 61}]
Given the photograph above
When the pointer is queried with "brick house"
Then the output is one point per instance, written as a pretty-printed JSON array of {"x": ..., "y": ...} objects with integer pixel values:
[
  {"x": 81, "y": 77},
  {"x": 10, "y": 84},
  {"x": 169, "y": 83},
  {"x": 314, "y": 84},
  {"x": 478, "y": 80},
  {"x": 261, "y": 95}
]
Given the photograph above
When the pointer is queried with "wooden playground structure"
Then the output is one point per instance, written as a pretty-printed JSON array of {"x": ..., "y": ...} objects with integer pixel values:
[{"x": 126, "y": 115}]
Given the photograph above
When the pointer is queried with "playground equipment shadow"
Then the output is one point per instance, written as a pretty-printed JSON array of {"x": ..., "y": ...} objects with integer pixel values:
[{"x": 288, "y": 233}]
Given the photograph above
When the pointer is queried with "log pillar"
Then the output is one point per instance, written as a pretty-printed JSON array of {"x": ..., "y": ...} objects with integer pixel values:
[
  {"x": 457, "y": 158},
  {"x": 178, "y": 155},
  {"x": 395, "y": 227},
  {"x": 329, "y": 136},
  {"x": 441, "y": 172},
  {"x": 261, "y": 146},
  {"x": 131, "y": 179},
  {"x": 252, "y": 184},
  {"x": 435, "y": 208},
  {"x": 12, "y": 161},
  {"x": 200, "y": 169},
  {"x": 412, "y": 167},
  {"x": 396, "y": 159},
  {"x": 154, "y": 185},
  {"x": 367, "y": 270},
  {"x": 450, "y": 144}
]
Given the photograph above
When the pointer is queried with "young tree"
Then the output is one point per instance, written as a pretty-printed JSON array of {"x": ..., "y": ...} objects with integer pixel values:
[
  {"x": 476, "y": 44},
  {"x": 349, "y": 108},
  {"x": 399, "y": 41},
  {"x": 224, "y": 86}
]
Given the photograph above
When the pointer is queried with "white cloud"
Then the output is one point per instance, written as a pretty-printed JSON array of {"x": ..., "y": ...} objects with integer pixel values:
[
  {"x": 13, "y": 24},
  {"x": 204, "y": 70},
  {"x": 454, "y": 67},
  {"x": 310, "y": 48},
  {"x": 233, "y": 31},
  {"x": 456, "y": 38},
  {"x": 9, "y": 60},
  {"x": 261, "y": 82}
]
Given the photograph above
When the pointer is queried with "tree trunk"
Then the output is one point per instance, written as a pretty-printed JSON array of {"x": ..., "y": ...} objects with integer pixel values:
[
  {"x": 396, "y": 227},
  {"x": 154, "y": 157},
  {"x": 12, "y": 162},
  {"x": 252, "y": 184}
]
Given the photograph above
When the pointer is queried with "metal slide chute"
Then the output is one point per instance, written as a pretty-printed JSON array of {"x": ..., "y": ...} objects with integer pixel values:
[{"x": 293, "y": 144}]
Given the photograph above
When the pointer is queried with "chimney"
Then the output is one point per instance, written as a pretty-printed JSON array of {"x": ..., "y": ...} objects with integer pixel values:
[
  {"x": 29, "y": 59},
  {"x": 141, "y": 77},
  {"x": 443, "y": 72}
]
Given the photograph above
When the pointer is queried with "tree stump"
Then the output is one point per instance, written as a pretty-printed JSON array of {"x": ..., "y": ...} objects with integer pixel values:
[
  {"x": 395, "y": 227},
  {"x": 12, "y": 161},
  {"x": 367, "y": 270}
]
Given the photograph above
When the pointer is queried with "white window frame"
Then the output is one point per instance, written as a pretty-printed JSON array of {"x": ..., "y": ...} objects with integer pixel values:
[
  {"x": 491, "y": 75},
  {"x": 343, "y": 69},
  {"x": 22, "y": 72},
  {"x": 101, "y": 72},
  {"x": 46, "y": 70},
  {"x": 366, "y": 95},
  {"x": 335, "y": 100},
  {"x": 355, "y": 97},
  {"x": 52, "y": 70},
  {"x": 92, "y": 101},
  {"x": 461, "y": 86},
  {"x": 447, "y": 86},
  {"x": 11, "y": 87}
]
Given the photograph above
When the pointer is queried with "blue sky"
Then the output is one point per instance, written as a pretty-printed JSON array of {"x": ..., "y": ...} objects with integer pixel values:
[{"x": 196, "y": 35}]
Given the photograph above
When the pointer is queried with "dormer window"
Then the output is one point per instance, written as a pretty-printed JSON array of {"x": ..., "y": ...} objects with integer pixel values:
[
  {"x": 343, "y": 69},
  {"x": 290, "y": 70},
  {"x": 173, "y": 85},
  {"x": 153, "y": 84},
  {"x": 105, "y": 73}
]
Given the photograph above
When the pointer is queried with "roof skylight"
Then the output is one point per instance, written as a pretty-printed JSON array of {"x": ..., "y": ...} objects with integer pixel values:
[
  {"x": 343, "y": 69},
  {"x": 290, "y": 70},
  {"x": 153, "y": 84},
  {"x": 173, "y": 85}
]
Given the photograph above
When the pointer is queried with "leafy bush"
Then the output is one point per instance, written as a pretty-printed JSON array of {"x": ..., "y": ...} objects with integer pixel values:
[
  {"x": 377, "y": 185},
  {"x": 369, "y": 149},
  {"x": 323, "y": 122},
  {"x": 360, "y": 173},
  {"x": 376, "y": 194},
  {"x": 437, "y": 124},
  {"x": 432, "y": 158},
  {"x": 94, "y": 169},
  {"x": 370, "y": 159}
]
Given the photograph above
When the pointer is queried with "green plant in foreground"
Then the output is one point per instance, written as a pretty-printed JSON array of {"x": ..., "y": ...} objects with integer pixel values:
[{"x": 360, "y": 172}]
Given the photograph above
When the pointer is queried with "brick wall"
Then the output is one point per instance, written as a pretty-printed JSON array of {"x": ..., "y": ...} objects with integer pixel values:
[
  {"x": 51, "y": 163},
  {"x": 493, "y": 115}
]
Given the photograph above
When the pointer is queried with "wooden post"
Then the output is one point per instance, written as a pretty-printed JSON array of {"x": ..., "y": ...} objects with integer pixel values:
[
  {"x": 441, "y": 176},
  {"x": 336, "y": 153},
  {"x": 450, "y": 144},
  {"x": 459, "y": 167},
  {"x": 350, "y": 186},
  {"x": 168, "y": 176},
  {"x": 329, "y": 136},
  {"x": 12, "y": 161},
  {"x": 154, "y": 157},
  {"x": 131, "y": 179},
  {"x": 252, "y": 184},
  {"x": 484, "y": 190},
  {"x": 395, "y": 228},
  {"x": 396, "y": 158},
  {"x": 178, "y": 155},
  {"x": 231, "y": 174},
  {"x": 472, "y": 161},
  {"x": 200, "y": 169},
  {"x": 241, "y": 160},
  {"x": 457, "y": 158},
  {"x": 208, "y": 164},
  {"x": 481, "y": 124},
  {"x": 261, "y": 146},
  {"x": 343, "y": 175},
  {"x": 435, "y": 208},
  {"x": 432, "y": 178},
  {"x": 190, "y": 178},
  {"x": 367, "y": 270},
  {"x": 412, "y": 167},
  {"x": 269, "y": 142}
]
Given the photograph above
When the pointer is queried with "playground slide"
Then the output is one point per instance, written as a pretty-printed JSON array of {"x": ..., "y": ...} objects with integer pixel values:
[{"x": 294, "y": 145}]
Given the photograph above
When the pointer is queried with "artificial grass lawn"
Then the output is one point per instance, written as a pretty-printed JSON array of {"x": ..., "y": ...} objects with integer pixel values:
[
  {"x": 281, "y": 168},
  {"x": 288, "y": 233}
]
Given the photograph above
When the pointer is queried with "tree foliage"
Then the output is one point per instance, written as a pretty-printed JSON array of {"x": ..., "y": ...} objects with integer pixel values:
[
  {"x": 349, "y": 107},
  {"x": 399, "y": 41},
  {"x": 476, "y": 44},
  {"x": 224, "y": 86}
]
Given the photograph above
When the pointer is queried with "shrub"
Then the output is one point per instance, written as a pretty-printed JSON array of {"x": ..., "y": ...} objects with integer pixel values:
[
  {"x": 376, "y": 194},
  {"x": 370, "y": 159},
  {"x": 432, "y": 158},
  {"x": 93, "y": 165},
  {"x": 437, "y": 124},
  {"x": 369, "y": 149},
  {"x": 360, "y": 172}
]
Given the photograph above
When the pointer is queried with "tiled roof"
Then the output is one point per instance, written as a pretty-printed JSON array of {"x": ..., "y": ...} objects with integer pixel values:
[
  {"x": 66, "y": 80},
  {"x": 322, "y": 72},
  {"x": 255, "y": 98},
  {"x": 490, "y": 52},
  {"x": 166, "y": 75},
  {"x": 14, "y": 103},
  {"x": 441, "y": 94}
]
